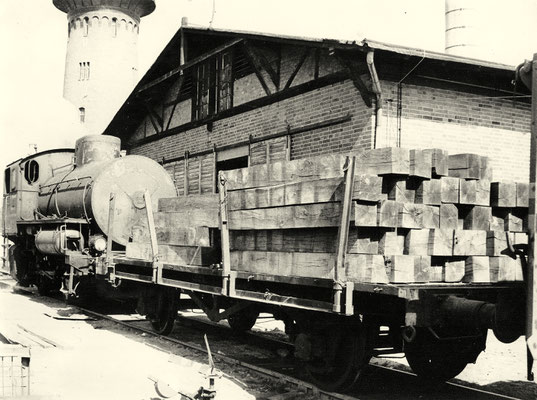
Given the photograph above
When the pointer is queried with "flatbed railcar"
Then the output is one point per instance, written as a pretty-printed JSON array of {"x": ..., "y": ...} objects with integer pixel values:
[{"x": 70, "y": 215}]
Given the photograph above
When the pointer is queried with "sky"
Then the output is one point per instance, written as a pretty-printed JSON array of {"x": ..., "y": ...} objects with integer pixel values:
[{"x": 33, "y": 37}]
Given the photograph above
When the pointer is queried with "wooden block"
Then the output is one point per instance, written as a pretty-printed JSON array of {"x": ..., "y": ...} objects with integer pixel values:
[
  {"x": 522, "y": 194},
  {"x": 477, "y": 270},
  {"x": 398, "y": 188},
  {"x": 477, "y": 218},
  {"x": 287, "y": 217},
  {"x": 497, "y": 221},
  {"x": 506, "y": 267},
  {"x": 470, "y": 243},
  {"x": 285, "y": 172},
  {"x": 310, "y": 265},
  {"x": 365, "y": 214},
  {"x": 520, "y": 238},
  {"x": 449, "y": 189},
  {"x": 182, "y": 255},
  {"x": 195, "y": 236},
  {"x": 440, "y": 242},
  {"x": 482, "y": 194},
  {"x": 363, "y": 241},
  {"x": 188, "y": 218},
  {"x": 368, "y": 188},
  {"x": 306, "y": 192},
  {"x": 439, "y": 160},
  {"x": 203, "y": 202},
  {"x": 454, "y": 271},
  {"x": 503, "y": 194},
  {"x": 408, "y": 269},
  {"x": 387, "y": 160},
  {"x": 420, "y": 163},
  {"x": 388, "y": 213},
  {"x": 449, "y": 215},
  {"x": 466, "y": 166},
  {"x": 516, "y": 220},
  {"x": 418, "y": 216},
  {"x": 365, "y": 268},
  {"x": 497, "y": 243},
  {"x": 392, "y": 243},
  {"x": 486, "y": 172},
  {"x": 417, "y": 242},
  {"x": 429, "y": 192},
  {"x": 467, "y": 192},
  {"x": 436, "y": 273}
]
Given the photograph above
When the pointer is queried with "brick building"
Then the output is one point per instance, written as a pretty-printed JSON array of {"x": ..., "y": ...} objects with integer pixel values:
[{"x": 218, "y": 99}]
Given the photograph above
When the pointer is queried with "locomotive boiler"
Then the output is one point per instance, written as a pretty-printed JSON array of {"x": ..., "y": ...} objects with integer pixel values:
[{"x": 57, "y": 207}]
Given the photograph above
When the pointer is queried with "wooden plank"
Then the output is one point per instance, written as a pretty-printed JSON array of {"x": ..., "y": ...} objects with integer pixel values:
[
  {"x": 365, "y": 214},
  {"x": 387, "y": 160},
  {"x": 184, "y": 255},
  {"x": 183, "y": 236},
  {"x": 408, "y": 269},
  {"x": 497, "y": 221},
  {"x": 285, "y": 172},
  {"x": 392, "y": 243},
  {"x": 503, "y": 194},
  {"x": 448, "y": 215},
  {"x": 288, "y": 240},
  {"x": 497, "y": 243},
  {"x": 287, "y": 217},
  {"x": 417, "y": 242},
  {"x": 440, "y": 242},
  {"x": 477, "y": 218},
  {"x": 486, "y": 172},
  {"x": 506, "y": 267},
  {"x": 188, "y": 218},
  {"x": 311, "y": 265},
  {"x": 420, "y": 163},
  {"x": 439, "y": 161},
  {"x": 522, "y": 194},
  {"x": 366, "y": 268},
  {"x": 449, "y": 189},
  {"x": 398, "y": 188},
  {"x": 418, "y": 216},
  {"x": 478, "y": 270},
  {"x": 516, "y": 220},
  {"x": 469, "y": 243},
  {"x": 466, "y": 166},
  {"x": 454, "y": 271},
  {"x": 429, "y": 192},
  {"x": 203, "y": 202},
  {"x": 368, "y": 188},
  {"x": 307, "y": 192},
  {"x": 482, "y": 195},
  {"x": 467, "y": 191},
  {"x": 436, "y": 273},
  {"x": 388, "y": 213},
  {"x": 363, "y": 241}
]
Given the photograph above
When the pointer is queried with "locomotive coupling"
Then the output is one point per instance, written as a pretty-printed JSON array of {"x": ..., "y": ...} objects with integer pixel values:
[{"x": 505, "y": 318}]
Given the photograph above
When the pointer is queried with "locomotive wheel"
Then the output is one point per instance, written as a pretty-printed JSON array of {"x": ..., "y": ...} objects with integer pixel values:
[
  {"x": 437, "y": 360},
  {"x": 347, "y": 352},
  {"x": 243, "y": 320},
  {"x": 166, "y": 311}
]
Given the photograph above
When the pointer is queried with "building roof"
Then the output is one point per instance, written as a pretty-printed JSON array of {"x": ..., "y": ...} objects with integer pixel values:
[
  {"x": 140, "y": 8},
  {"x": 393, "y": 62}
]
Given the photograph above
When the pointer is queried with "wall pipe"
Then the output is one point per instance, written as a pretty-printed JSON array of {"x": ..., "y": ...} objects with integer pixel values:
[{"x": 378, "y": 94}]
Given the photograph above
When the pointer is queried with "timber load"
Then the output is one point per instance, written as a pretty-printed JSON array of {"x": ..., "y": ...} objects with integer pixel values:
[{"x": 415, "y": 216}]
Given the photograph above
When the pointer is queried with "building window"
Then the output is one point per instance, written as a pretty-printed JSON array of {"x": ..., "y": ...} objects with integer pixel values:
[
  {"x": 213, "y": 84},
  {"x": 86, "y": 26},
  {"x": 82, "y": 114},
  {"x": 7, "y": 180},
  {"x": 84, "y": 74},
  {"x": 114, "y": 27}
]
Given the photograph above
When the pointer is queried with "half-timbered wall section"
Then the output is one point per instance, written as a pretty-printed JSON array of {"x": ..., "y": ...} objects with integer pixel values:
[{"x": 220, "y": 100}]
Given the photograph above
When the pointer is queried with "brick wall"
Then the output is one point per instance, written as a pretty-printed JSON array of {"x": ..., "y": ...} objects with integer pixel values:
[{"x": 460, "y": 122}]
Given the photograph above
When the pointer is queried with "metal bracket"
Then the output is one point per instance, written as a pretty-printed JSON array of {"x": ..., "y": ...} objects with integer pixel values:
[
  {"x": 157, "y": 265},
  {"x": 224, "y": 229},
  {"x": 111, "y": 270}
]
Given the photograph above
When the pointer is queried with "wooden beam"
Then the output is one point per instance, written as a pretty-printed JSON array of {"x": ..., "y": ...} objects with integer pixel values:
[
  {"x": 154, "y": 118},
  {"x": 353, "y": 73},
  {"x": 256, "y": 65},
  {"x": 189, "y": 64},
  {"x": 180, "y": 86},
  {"x": 297, "y": 68}
]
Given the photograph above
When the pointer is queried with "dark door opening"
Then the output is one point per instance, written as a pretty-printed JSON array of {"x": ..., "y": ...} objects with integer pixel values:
[{"x": 232, "y": 163}]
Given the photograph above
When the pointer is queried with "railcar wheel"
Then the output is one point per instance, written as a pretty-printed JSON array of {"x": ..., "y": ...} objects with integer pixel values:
[
  {"x": 243, "y": 320},
  {"x": 166, "y": 311},
  {"x": 441, "y": 360},
  {"x": 346, "y": 352}
]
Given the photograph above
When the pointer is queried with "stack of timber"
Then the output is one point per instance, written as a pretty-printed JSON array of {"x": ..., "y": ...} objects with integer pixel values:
[
  {"x": 186, "y": 231},
  {"x": 418, "y": 216}
]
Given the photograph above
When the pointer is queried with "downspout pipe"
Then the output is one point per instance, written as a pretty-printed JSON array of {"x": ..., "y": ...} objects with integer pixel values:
[{"x": 378, "y": 94}]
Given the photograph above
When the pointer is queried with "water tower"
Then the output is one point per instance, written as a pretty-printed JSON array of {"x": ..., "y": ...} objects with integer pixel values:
[
  {"x": 102, "y": 55},
  {"x": 463, "y": 28}
]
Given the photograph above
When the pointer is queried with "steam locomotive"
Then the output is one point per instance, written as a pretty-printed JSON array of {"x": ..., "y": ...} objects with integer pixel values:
[{"x": 70, "y": 215}]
